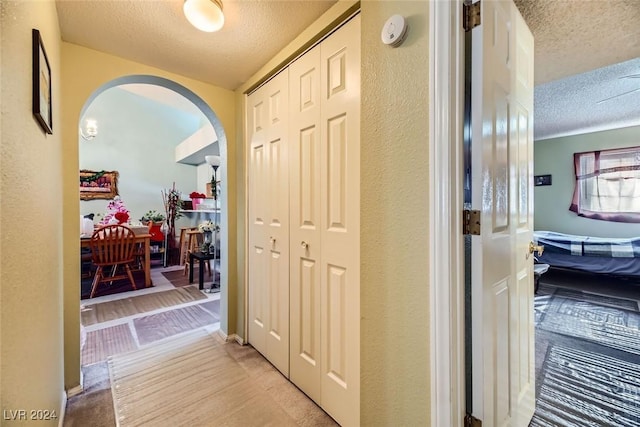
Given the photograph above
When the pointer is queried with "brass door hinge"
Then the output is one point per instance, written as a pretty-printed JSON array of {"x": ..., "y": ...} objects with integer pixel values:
[
  {"x": 471, "y": 421},
  {"x": 470, "y": 15},
  {"x": 471, "y": 222}
]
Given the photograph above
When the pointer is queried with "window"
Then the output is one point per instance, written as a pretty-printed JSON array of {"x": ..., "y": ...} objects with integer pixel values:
[{"x": 608, "y": 185}]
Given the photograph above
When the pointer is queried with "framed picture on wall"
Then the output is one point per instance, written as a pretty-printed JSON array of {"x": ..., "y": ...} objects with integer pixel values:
[
  {"x": 98, "y": 184},
  {"x": 41, "y": 84}
]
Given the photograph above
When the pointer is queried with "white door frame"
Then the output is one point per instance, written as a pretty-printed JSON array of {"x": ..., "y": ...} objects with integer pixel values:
[{"x": 446, "y": 258}]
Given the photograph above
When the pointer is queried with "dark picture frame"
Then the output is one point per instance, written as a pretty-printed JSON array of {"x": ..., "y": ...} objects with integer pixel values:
[
  {"x": 41, "y": 84},
  {"x": 98, "y": 184}
]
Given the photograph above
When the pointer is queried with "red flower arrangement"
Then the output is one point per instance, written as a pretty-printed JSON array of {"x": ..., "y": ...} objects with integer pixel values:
[
  {"x": 196, "y": 195},
  {"x": 122, "y": 217}
]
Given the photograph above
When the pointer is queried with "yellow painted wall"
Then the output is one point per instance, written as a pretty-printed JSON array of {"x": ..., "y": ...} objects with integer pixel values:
[
  {"x": 394, "y": 219},
  {"x": 83, "y": 71},
  {"x": 31, "y": 286},
  {"x": 395, "y": 377}
]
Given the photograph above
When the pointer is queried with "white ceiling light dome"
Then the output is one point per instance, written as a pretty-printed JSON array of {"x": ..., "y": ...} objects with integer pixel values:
[{"x": 205, "y": 15}]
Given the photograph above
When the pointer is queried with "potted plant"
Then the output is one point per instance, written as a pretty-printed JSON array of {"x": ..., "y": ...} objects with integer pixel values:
[{"x": 154, "y": 216}]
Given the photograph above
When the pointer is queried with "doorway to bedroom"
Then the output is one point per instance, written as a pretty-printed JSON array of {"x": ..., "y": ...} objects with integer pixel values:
[{"x": 586, "y": 322}]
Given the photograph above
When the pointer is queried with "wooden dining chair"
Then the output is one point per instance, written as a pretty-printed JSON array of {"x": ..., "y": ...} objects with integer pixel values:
[{"x": 112, "y": 246}]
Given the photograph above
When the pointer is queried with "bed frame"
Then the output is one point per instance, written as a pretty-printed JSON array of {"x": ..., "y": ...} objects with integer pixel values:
[{"x": 592, "y": 254}]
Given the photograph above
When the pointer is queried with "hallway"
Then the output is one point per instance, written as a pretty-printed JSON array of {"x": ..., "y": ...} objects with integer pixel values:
[{"x": 285, "y": 404}]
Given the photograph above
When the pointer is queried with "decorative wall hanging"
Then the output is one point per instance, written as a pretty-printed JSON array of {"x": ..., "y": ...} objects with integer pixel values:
[
  {"x": 98, "y": 184},
  {"x": 41, "y": 84}
]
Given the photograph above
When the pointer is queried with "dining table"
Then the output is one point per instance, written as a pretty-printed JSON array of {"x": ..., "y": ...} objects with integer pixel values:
[{"x": 143, "y": 240}]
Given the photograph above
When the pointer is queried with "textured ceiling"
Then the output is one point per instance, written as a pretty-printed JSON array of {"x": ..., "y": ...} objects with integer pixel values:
[
  {"x": 602, "y": 99},
  {"x": 156, "y": 33},
  {"x": 571, "y": 37},
  {"x": 577, "y": 47}
]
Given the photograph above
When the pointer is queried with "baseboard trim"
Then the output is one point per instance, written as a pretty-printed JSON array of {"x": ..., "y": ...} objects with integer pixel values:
[
  {"x": 75, "y": 391},
  {"x": 232, "y": 337},
  {"x": 63, "y": 409}
]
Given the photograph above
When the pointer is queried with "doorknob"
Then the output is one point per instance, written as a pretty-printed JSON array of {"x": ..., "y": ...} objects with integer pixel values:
[
  {"x": 304, "y": 245},
  {"x": 535, "y": 248},
  {"x": 272, "y": 240}
]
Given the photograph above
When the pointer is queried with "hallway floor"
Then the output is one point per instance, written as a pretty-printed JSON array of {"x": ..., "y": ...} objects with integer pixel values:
[{"x": 94, "y": 406}]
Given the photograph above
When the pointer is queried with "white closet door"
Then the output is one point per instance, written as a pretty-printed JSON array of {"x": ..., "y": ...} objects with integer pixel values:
[
  {"x": 258, "y": 212},
  {"x": 269, "y": 222},
  {"x": 304, "y": 114},
  {"x": 340, "y": 222},
  {"x": 277, "y": 99}
]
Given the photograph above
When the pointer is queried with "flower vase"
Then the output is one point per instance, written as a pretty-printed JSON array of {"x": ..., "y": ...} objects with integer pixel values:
[
  {"x": 195, "y": 202},
  {"x": 207, "y": 235}
]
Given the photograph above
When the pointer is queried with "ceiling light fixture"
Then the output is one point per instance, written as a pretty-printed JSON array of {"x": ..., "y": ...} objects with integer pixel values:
[{"x": 205, "y": 15}]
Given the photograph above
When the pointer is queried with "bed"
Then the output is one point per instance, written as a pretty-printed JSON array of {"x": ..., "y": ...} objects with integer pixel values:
[{"x": 619, "y": 256}]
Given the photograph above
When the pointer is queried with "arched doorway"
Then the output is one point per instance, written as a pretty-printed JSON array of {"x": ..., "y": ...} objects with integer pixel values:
[{"x": 213, "y": 122}]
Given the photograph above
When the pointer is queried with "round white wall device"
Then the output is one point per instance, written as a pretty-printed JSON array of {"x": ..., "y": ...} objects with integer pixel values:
[{"x": 394, "y": 30}]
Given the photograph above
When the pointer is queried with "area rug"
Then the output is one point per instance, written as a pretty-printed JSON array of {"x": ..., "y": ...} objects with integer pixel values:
[
  {"x": 608, "y": 322},
  {"x": 110, "y": 310},
  {"x": 587, "y": 364},
  {"x": 168, "y": 323},
  {"x": 115, "y": 287},
  {"x": 106, "y": 342},
  {"x": 587, "y": 389},
  {"x": 188, "y": 381},
  {"x": 609, "y": 301},
  {"x": 179, "y": 279}
]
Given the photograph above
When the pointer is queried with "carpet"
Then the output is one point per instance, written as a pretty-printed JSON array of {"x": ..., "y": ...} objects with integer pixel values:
[
  {"x": 168, "y": 323},
  {"x": 105, "y": 342},
  {"x": 111, "y": 310},
  {"x": 189, "y": 381},
  {"x": 586, "y": 389}
]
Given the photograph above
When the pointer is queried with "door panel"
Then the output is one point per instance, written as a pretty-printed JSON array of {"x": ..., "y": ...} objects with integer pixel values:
[
  {"x": 258, "y": 217},
  {"x": 340, "y": 224},
  {"x": 269, "y": 222},
  {"x": 305, "y": 243},
  {"x": 523, "y": 364},
  {"x": 336, "y": 331},
  {"x": 277, "y": 340},
  {"x": 502, "y": 283},
  {"x": 336, "y": 170}
]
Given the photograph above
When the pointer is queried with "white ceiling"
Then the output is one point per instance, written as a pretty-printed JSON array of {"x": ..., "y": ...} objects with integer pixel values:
[
  {"x": 164, "y": 96},
  {"x": 602, "y": 99},
  {"x": 156, "y": 33},
  {"x": 571, "y": 37}
]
